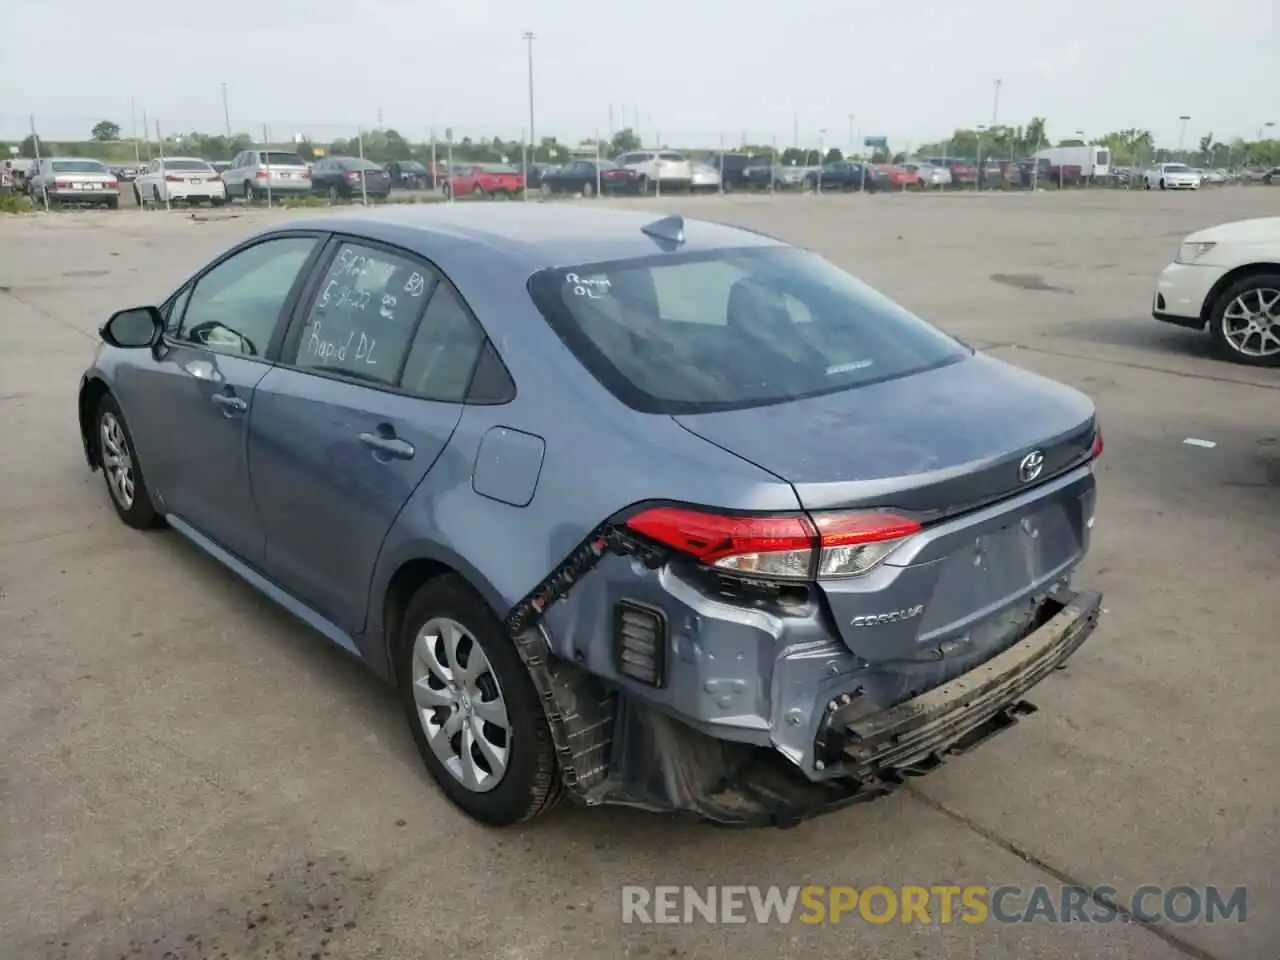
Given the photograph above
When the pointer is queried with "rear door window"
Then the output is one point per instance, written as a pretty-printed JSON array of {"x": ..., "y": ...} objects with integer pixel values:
[
  {"x": 735, "y": 328},
  {"x": 365, "y": 313}
]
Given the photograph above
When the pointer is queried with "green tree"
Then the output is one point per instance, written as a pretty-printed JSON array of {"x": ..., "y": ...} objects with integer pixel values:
[
  {"x": 834, "y": 155},
  {"x": 32, "y": 147},
  {"x": 623, "y": 141},
  {"x": 105, "y": 130}
]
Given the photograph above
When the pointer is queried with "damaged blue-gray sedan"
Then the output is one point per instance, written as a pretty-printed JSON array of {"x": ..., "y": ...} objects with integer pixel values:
[{"x": 643, "y": 510}]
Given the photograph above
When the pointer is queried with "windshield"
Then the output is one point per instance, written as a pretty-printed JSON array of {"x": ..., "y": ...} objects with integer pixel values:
[
  {"x": 732, "y": 329},
  {"x": 1102, "y": 157},
  {"x": 412, "y": 166},
  {"x": 78, "y": 166},
  {"x": 188, "y": 165},
  {"x": 497, "y": 168},
  {"x": 1176, "y": 168}
]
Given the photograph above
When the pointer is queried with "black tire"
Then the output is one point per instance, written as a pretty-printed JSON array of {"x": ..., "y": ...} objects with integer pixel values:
[
  {"x": 1222, "y": 346},
  {"x": 137, "y": 197},
  {"x": 1162, "y": 186},
  {"x": 334, "y": 196},
  {"x": 448, "y": 190},
  {"x": 531, "y": 784},
  {"x": 113, "y": 204},
  {"x": 250, "y": 194},
  {"x": 642, "y": 184},
  {"x": 140, "y": 514},
  {"x": 545, "y": 191},
  {"x": 588, "y": 190},
  {"x": 477, "y": 192}
]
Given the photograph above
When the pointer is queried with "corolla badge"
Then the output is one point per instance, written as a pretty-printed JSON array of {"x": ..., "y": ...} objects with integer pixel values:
[
  {"x": 892, "y": 616},
  {"x": 1031, "y": 466}
]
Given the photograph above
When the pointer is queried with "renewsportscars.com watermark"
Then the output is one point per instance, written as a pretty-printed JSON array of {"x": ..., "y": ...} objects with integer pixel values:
[{"x": 933, "y": 904}]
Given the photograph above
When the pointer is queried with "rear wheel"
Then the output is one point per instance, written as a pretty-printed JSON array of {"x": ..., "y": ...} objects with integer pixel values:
[
  {"x": 1244, "y": 322},
  {"x": 477, "y": 192},
  {"x": 1162, "y": 186},
  {"x": 588, "y": 189},
  {"x": 334, "y": 196},
  {"x": 113, "y": 204},
  {"x": 448, "y": 190},
  {"x": 474, "y": 712}
]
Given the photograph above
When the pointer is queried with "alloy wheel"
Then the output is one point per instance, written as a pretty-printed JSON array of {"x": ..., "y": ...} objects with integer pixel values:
[
  {"x": 117, "y": 460},
  {"x": 1251, "y": 322},
  {"x": 460, "y": 704}
]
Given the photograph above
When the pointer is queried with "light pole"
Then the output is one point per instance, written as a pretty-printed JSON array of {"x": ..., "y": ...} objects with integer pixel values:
[
  {"x": 529, "y": 37},
  {"x": 1182, "y": 132},
  {"x": 852, "y": 142},
  {"x": 977, "y": 181},
  {"x": 995, "y": 106},
  {"x": 822, "y": 136},
  {"x": 226, "y": 111}
]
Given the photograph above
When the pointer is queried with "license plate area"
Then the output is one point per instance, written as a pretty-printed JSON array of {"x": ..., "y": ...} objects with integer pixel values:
[{"x": 992, "y": 568}]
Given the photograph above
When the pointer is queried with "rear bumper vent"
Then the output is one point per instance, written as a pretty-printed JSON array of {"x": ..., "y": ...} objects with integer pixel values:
[{"x": 640, "y": 642}]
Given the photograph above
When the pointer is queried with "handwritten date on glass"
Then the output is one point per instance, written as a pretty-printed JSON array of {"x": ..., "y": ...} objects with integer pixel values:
[
  {"x": 338, "y": 351},
  {"x": 593, "y": 287},
  {"x": 339, "y": 295}
]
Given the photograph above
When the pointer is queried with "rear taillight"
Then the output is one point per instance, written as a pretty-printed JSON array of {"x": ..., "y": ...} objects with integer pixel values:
[
  {"x": 353, "y": 176},
  {"x": 112, "y": 184},
  {"x": 1096, "y": 450},
  {"x": 787, "y": 547},
  {"x": 62, "y": 184},
  {"x": 261, "y": 175},
  {"x": 172, "y": 179}
]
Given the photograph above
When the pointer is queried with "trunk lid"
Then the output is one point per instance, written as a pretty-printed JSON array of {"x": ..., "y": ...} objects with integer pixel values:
[{"x": 946, "y": 447}]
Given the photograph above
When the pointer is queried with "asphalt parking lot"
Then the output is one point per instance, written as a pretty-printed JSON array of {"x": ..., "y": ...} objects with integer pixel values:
[{"x": 186, "y": 772}]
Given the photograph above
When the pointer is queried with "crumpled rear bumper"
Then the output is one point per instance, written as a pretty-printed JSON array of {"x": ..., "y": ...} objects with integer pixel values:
[{"x": 641, "y": 757}]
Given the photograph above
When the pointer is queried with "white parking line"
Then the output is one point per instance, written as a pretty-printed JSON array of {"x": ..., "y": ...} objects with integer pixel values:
[{"x": 1193, "y": 442}]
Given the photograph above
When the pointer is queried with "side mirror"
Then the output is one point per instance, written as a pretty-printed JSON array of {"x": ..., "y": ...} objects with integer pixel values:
[{"x": 134, "y": 328}]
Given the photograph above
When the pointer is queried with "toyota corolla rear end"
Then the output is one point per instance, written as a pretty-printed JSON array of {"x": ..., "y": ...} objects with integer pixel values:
[{"x": 775, "y": 664}]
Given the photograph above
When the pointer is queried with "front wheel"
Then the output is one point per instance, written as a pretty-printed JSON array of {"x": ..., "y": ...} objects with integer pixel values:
[
  {"x": 473, "y": 709},
  {"x": 588, "y": 190},
  {"x": 1244, "y": 322},
  {"x": 1162, "y": 186},
  {"x": 121, "y": 469},
  {"x": 477, "y": 193}
]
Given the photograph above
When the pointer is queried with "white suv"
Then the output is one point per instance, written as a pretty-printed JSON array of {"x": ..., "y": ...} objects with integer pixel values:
[
  {"x": 260, "y": 174},
  {"x": 665, "y": 169},
  {"x": 1172, "y": 176}
]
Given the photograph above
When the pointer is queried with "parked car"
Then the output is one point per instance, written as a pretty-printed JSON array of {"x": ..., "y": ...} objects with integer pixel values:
[
  {"x": 340, "y": 178},
  {"x": 1272, "y": 176},
  {"x": 260, "y": 174},
  {"x": 125, "y": 174},
  {"x": 1216, "y": 177},
  {"x": 931, "y": 175},
  {"x": 1171, "y": 176},
  {"x": 582, "y": 176},
  {"x": 59, "y": 180},
  {"x": 534, "y": 171},
  {"x": 480, "y": 180},
  {"x": 17, "y": 172},
  {"x": 776, "y": 177},
  {"x": 410, "y": 175},
  {"x": 741, "y": 170},
  {"x": 220, "y": 166},
  {"x": 841, "y": 175},
  {"x": 1227, "y": 279},
  {"x": 897, "y": 177},
  {"x": 961, "y": 171},
  {"x": 705, "y": 178},
  {"x": 428, "y": 381},
  {"x": 179, "y": 180},
  {"x": 659, "y": 169}
]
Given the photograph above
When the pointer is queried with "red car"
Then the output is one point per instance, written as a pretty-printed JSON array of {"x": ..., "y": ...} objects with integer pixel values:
[
  {"x": 484, "y": 180},
  {"x": 900, "y": 177}
]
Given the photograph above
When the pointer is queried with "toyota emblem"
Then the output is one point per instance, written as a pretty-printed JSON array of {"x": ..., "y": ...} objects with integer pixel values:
[{"x": 1031, "y": 466}]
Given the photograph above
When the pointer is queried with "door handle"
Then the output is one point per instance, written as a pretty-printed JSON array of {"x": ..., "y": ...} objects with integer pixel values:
[
  {"x": 392, "y": 447},
  {"x": 230, "y": 403}
]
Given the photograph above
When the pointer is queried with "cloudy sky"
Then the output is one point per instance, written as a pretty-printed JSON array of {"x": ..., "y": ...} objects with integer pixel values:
[{"x": 687, "y": 72}]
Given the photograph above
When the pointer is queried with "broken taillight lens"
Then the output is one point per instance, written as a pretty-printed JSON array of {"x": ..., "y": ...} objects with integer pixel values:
[{"x": 778, "y": 547}]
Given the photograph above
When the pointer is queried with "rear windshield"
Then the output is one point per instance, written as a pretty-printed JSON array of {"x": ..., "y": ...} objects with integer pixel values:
[
  {"x": 701, "y": 332},
  {"x": 78, "y": 166},
  {"x": 280, "y": 159},
  {"x": 355, "y": 163},
  {"x": 187, "y": 165},
  {"x": 497, "y": 168}
]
